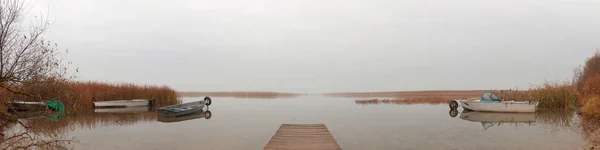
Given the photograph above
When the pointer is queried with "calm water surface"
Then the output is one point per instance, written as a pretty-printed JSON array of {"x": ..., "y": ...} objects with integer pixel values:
[{"x": 249, "y": 124}]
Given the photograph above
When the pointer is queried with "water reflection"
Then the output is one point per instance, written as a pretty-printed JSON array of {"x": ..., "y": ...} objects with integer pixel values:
[
  {"x": 17, "y": 133},
  {"x": 552, "y": 118},
  {"x": 50, "y": 124},
  {"x": 453, "y": 113},
  {"x": 489, "y": 119},
  {"x": 387, "y": 127},
  {"x": 591, "y": 131},
  {"x": 203, "y": 114},
  {"x": 141, "y": 109},
  {"x": 29, "y": 115},
  {"x": 23, "y": 139},
  {"x": 405, "y": 101}
]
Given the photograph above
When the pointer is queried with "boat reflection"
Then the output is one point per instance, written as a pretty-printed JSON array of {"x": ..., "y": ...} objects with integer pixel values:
[
  {"x": 206, "y": 114},
  {"x": 139, "y": 109},
  {"x": 453, "y": 113},
  {"x": 16, "y": 131},
  {"x": 490, "y": 119}
]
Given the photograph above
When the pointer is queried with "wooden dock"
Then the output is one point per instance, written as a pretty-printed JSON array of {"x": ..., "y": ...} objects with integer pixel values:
[{"x": 302, "y": 136}]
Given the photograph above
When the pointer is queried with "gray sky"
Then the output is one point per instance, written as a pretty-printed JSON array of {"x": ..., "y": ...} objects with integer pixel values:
[{"x": 325, "y": 45}]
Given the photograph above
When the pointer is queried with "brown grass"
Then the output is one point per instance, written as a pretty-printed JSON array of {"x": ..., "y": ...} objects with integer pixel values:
[
  {"x": 587, "y": 82},
  {"x": 591, "y": 86},
  {"x": 81, "y": 95},
  {"x": 408, "y": 101},
  {"x": 238, "y": 94},
  {"x": 550, "y": 95},
  {"x": 591, "y": 107}
]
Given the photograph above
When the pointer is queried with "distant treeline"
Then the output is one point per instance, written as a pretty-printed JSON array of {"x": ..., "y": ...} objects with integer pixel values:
[{"x": 238, "y": 94}]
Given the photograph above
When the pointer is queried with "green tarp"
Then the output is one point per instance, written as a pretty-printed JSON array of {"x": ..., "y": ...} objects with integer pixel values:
[{"x": 57, "y": 106}]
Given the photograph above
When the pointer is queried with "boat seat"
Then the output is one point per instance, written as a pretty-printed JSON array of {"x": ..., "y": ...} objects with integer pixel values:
[{"x": 178, "y": 109}]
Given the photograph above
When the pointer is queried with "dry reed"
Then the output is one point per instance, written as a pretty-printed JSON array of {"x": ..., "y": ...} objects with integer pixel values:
[
  {"x": 81, "y": 95},
  {"x": 587, "y": 82},
  {"x": 550, "y": 95}
]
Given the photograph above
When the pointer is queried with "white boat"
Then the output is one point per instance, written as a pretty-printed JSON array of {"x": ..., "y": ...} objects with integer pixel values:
[
  {"x": 489, "y": 102},
  {"x": 138, "y": 109},
  {"x": 124, "y": 103}
]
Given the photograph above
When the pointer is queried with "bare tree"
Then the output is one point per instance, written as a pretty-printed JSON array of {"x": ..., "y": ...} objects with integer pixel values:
[{"x": 25, "y": 57}]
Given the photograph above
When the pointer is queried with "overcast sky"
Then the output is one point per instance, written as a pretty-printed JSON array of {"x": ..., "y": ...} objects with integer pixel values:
[{"x": 325, "y": 45}]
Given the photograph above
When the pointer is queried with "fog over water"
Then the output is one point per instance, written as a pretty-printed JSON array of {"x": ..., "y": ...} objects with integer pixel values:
[{"x": 325, "y": 45}]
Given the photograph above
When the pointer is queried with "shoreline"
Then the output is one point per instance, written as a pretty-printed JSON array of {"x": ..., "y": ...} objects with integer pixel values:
[
  {"x": 389, "y": 94},
  {"x": 413, "y": 94}
]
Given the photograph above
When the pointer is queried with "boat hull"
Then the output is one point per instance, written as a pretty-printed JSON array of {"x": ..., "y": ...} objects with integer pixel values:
[
  {"x": 28, "y": 106},
  {"x": 123, "y": 103},
  {"x": 139, "y": 109},
  {"x": 502, "y": 106}
]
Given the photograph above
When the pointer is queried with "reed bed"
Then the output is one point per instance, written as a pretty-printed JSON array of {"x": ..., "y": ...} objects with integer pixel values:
[
  {"x": 407, "y": 101},
  {"x": 81, "y": 95},
  {"x": 239, "y": 94},
  {"x": 550, "y": 95},
  {"x": 87, "y": 92}
]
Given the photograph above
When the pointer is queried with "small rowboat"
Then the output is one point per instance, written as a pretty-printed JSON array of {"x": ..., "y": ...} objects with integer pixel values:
[
  {"x": 36, "y": 106},
  {"x": 184, "y": 109},
  {"x": 124, "y": 103}
]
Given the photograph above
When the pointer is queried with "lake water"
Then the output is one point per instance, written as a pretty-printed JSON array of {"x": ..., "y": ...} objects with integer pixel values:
[{"x": 237, "y": 123}]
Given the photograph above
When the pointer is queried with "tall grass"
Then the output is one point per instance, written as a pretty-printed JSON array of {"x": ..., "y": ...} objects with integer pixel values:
[
  {"x": 84, "y": 93},
  {"x": 550, "y": 95},
  {"x": 584, "y": 91},
  {"x": 555, "y": 95},
  {"x": 587, "y": 82},
  {"x": 81, "y": 95}
]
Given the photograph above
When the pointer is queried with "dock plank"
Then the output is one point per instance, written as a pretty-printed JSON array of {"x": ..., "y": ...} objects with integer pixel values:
[{"x": 302, "y": 136}]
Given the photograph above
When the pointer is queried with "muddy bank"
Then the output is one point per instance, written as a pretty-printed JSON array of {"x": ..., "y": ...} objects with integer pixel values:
[{"x": 591, "y": 131}]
